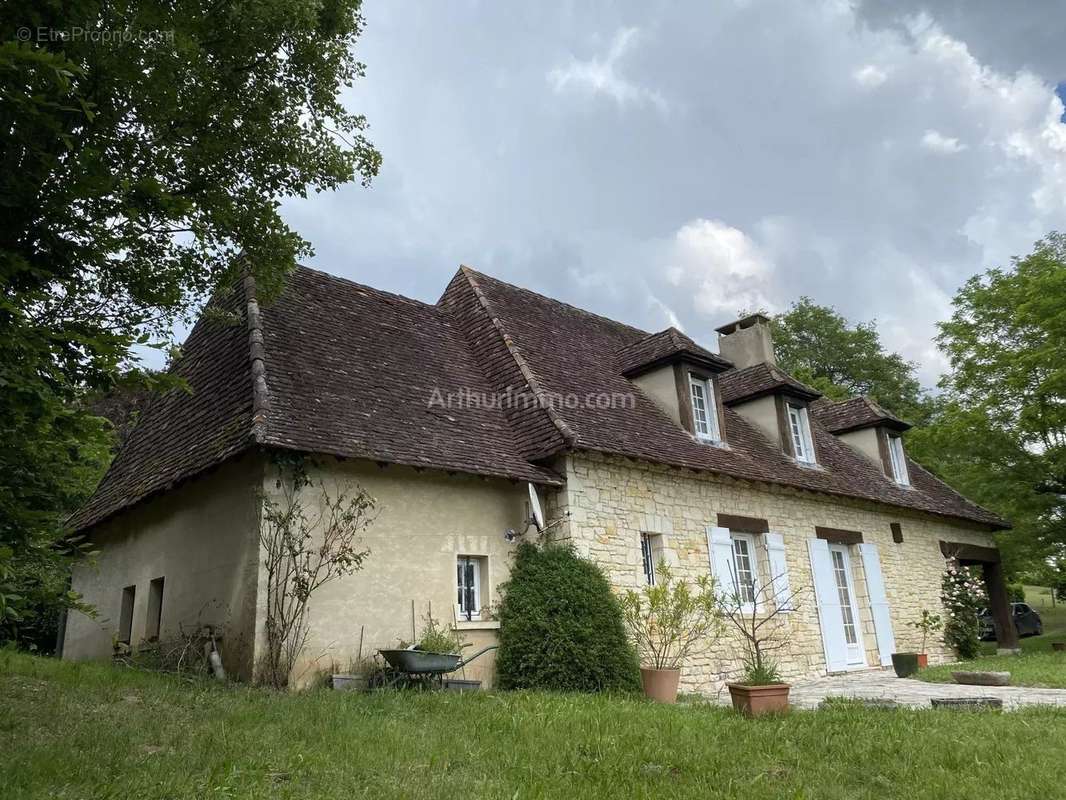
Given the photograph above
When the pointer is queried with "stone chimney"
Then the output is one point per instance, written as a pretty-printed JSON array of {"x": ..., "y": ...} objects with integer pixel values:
[{"x": 747, "y": 341}]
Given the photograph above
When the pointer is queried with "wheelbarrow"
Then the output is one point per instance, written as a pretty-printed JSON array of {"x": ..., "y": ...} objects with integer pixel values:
[{"x": 422, "y": 668}]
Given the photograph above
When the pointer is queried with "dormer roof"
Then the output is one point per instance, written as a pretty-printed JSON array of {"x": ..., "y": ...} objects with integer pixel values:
[
  {"x": 859, "y": 412},
  {"x": 759, "y": 380},
  {"x": 666, "y": 347}
]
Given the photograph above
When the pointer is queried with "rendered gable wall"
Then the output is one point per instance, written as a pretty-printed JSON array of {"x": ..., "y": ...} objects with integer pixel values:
[
  {"x": 201, "y": 537},
  {"x": 425, "y": 519},
  {"x": 612, "y": 500}
]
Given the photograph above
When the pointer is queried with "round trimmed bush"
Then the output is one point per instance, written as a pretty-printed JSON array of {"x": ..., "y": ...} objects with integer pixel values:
[{"x": 561, "y": 626}]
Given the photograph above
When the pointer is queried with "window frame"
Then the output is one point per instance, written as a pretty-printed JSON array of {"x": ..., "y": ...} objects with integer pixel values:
[
  {"x": 706, "y": 386},
  {"x": 651, "y": 547},
  {"x": 751, "y": 541},
  {"x": 153, "y": 621},
  {"x": 478, "y": 562},
  {"x": 802, "y": 440},
  {"x": 897, "y": 459},
  {"x": 125, "y": 618}
]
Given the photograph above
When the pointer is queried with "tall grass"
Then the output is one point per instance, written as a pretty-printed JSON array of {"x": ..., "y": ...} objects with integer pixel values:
[{"x": 93, "y": 731}]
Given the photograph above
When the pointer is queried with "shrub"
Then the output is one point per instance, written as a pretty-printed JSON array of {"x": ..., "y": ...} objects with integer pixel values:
[
  {"x": 561, "y": 626},
  {"x": 1016, "y": 592}
]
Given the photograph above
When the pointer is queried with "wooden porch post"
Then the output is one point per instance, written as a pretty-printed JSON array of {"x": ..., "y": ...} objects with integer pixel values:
[{"x": 999, "y": 605}]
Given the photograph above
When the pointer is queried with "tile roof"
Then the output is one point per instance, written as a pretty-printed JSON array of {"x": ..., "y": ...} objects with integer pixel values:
[
  {"x": 857, "y": 412},
  {"x": 759, "y": 380},
  {"x": 665, "y": 347},
  {"x": 491, "y": 380}
]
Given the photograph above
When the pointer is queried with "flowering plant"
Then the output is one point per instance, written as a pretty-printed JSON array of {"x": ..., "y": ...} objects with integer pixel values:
[{"x": 963, "y": 595}]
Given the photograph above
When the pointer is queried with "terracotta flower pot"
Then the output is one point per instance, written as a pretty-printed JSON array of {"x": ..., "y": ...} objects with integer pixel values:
[
  {"x": 660, "y": 684},
  {"x": 923, "y": 660},
  {"x": 754, "y": 701},
  {"x": 905, "y": 664}
]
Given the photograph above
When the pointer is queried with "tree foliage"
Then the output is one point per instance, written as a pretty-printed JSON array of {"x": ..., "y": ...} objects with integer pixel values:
[
  {"x": 145, "y": 145},
  {"x": 561, "y": 626},
  {"x": 820, "y": 347},
  {"x": 1001, "y": 435}
]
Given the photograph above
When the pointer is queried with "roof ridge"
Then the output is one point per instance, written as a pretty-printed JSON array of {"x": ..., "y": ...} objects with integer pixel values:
[
  {"x": 583, "y": 311},
  {"x": 257, "y": 361},
  {"x": 365, "y": 286},
  {"x": 569, "y": 437}
]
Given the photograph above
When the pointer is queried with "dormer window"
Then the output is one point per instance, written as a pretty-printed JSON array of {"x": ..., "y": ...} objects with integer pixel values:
[
  {"x": 899, "y": 463},
  {"x": 799, "y": 427},
  {"x": 704, "y": 409}
]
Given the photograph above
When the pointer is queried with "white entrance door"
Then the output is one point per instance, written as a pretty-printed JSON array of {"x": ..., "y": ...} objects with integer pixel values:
[{"x": 849, "y": 611}]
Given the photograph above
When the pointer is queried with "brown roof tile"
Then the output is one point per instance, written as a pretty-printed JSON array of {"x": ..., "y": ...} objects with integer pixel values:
[
  {"x": 857, "y": 412},
  {"x": 665, "y": 347},
  {"x": 759, "y": 380},
  {"x": 337, "y": 368}
]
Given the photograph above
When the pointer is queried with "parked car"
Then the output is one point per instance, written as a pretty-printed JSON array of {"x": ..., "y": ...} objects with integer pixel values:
[{"x": 1026, "y": 621}]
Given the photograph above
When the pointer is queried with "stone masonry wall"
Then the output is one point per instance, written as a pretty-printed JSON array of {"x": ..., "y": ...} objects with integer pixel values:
[{"x": 611, "y": 501}]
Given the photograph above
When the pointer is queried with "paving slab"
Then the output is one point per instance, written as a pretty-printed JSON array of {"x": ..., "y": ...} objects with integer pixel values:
[{"x": 882, "y": 684}]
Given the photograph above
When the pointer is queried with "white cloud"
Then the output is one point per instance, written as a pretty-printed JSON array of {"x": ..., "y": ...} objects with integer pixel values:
[
  {"x": 725, "y": 270},
  {"x": 602, "y": 76},
  {"x": 504, "y": 152},
  {"x": 870, "y": 76},
  {"x": 939, "y": 143}
]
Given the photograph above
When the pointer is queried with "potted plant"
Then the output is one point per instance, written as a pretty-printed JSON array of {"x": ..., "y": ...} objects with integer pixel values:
[
  {"x": 927, "y": 623},
  {"x": 666, "y": 621},
  {"x": 756, "y": 613}
]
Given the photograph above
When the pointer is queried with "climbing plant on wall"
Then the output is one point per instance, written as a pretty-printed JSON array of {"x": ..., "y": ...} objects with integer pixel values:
[{"x": 963, "y": 595}]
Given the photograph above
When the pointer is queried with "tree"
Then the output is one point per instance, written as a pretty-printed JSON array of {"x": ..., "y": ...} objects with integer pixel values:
[
  {"x": 145, "y": 146},
  {"x": 820, "y": 347},
  {"x": 1002, "y": 437}
]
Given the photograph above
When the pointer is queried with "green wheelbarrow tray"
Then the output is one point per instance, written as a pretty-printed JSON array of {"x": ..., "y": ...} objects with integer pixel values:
[{"x": 420, "y": 662}]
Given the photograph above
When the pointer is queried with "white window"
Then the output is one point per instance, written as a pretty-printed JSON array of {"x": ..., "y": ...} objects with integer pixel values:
[
  {"x": 899, "y": 463},
  {"x": 799, "y": 427},
  {"x": 468, "y": 586},
  {"x": 650, "y": 553},
  {"x": 704, "y": 409},
  {"x": 744, "y": 567}
]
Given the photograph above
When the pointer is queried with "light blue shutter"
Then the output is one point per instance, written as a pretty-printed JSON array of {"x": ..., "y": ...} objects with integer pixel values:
[
  {"x": 875, "y": 586},
  {"x": 779, "y": 587},
  {"x": 720, "y": 553},
  {"x": 830, "y": 618}
]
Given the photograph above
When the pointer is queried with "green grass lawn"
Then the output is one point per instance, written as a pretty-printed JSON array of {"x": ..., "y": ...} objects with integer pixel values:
[
  {"x": 95, "y": 731},
  {"x": 1036, "y": 666}
]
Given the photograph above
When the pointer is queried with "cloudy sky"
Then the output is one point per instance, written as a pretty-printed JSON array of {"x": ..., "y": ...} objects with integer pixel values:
[{"x": 668, "y": 163}]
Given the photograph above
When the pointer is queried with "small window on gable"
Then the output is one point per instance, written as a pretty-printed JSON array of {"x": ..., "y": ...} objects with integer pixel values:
[
  {"x": 704, "y": 409},
  {"x": 650, "y": 553},
  {"x": 899, "y": 462},
  {"x": 799, "y": 428},
  {"x": 125, "y": 620},
  {"x": 468, "y": 586}
]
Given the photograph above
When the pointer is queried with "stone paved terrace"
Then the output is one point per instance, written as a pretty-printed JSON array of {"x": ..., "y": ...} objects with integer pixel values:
[{"x": 882, "y": 684}]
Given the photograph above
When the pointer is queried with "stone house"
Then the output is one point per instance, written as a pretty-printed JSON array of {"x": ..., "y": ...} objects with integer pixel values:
[{"x": 638, "y": 446}]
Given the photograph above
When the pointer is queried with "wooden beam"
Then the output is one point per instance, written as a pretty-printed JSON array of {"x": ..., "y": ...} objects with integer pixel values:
[
  {"x": 838, "y": 535},
  {"x": 743, "y": 524},
  {"x": 969, "y": 552}
]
